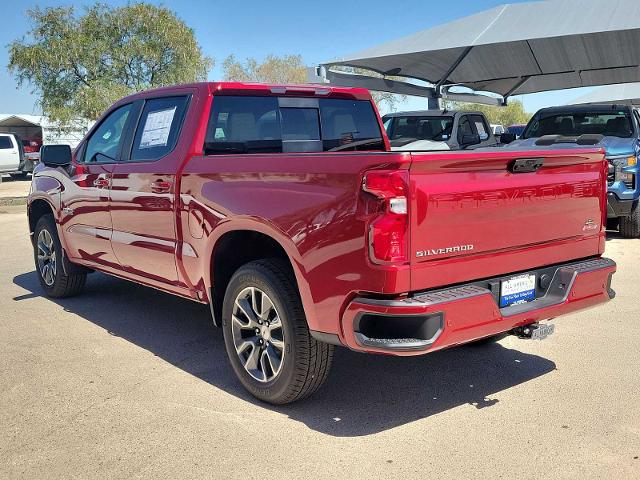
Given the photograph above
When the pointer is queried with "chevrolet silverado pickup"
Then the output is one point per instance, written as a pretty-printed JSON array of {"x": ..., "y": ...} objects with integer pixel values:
[{"x": 284, "y": 210}]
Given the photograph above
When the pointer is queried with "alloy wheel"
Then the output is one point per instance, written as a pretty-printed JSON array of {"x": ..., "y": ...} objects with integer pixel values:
[
  {"x": 258, "y": 335},
  {"x": 46, "y": 257}
]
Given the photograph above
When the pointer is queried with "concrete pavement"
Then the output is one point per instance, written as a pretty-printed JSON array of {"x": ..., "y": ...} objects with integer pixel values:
[
  {"x": 127, "y": 382},
  {"x": 13, "y": 188}
]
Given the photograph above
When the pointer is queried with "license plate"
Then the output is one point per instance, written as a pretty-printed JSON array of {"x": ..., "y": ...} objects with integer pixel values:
[{"x": 516, "y": 290}]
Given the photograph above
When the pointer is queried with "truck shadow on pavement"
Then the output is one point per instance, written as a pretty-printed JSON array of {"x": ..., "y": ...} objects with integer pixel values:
[{"x": 363, "y": 395}]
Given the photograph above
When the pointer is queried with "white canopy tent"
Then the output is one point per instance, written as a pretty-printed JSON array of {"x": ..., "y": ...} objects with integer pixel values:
[
  {"x": 625, "y": 93},
  {"x": 509, "y": 50}
]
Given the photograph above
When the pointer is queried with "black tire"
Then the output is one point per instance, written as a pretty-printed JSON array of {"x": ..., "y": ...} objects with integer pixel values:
[
  {"x": 305, "y": 362},
  {"x": 630, "y": 226},
  {"x": 61, "y": 283},
  {"x": 19, "y": 176},
  {"x": 613, "y": 224}
]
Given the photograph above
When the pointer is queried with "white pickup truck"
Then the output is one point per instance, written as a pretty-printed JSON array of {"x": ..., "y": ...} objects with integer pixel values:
[
  {"x": 439, "y": 130},
  {"x": 11, "y": 154}
]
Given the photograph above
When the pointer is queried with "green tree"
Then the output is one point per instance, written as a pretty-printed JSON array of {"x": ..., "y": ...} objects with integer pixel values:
[
  {"x": 78, "y": 65},
  {"x": 510, "y": 114},
  {"x": 288, "y": 69}
]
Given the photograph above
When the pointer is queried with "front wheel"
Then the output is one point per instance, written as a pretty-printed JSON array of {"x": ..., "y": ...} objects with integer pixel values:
[
  {"x": 630, "y": 226},
  {"x": 47, "y": 252},
  {"x": 266, "y": 335}
]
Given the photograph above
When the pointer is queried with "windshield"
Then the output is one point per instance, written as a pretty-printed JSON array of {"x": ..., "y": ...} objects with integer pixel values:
[
  {"x": 516, "y": 129},
  {"x": 609, "y": 124},
  {"x": 421, "y": 128}
]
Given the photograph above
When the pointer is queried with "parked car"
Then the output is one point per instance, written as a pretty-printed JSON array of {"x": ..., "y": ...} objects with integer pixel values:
[
  {"x": 284, "y": 210},
  {"x": 32, "y": 149},
  {"x": 516, "y": 129},
  {"x": 11, "y": 154},
  {"x": 498, "y": 130},
  {"x": 619, "y": 126},
  {"x": 436, "y": 130},
  {"x": 31, "y": 157}
]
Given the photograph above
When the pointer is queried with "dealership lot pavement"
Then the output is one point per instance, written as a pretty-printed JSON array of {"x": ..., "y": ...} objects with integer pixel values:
[
  {"x": 127, "y": 382},
  {"x": 12, "y": 188}
]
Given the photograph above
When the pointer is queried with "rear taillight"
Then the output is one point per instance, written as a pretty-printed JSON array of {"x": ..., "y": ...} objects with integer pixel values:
[{"x": 388, "y": 232}]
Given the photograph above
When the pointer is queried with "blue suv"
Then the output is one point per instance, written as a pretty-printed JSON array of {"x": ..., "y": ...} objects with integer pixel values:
[{"x": 620, "y": 127}]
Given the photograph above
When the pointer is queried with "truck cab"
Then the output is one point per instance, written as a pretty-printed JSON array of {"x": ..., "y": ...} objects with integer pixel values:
[{"x": 619, "y": 126}]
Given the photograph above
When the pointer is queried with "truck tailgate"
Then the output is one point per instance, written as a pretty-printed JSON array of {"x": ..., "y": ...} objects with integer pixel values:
[{"x": 472, "y": 217}]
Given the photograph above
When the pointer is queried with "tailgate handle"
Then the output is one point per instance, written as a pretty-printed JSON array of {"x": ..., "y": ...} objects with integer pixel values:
[{"x": 526, "y": 165}]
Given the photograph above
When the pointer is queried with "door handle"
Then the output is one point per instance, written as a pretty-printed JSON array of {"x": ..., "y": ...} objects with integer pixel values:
[
  {"x": 160, "y": 186},
  {"x": 102, "y": 181}
]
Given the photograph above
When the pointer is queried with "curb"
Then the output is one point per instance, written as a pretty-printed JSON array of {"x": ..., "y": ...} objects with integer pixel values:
[{"x": 12, "y": 201}]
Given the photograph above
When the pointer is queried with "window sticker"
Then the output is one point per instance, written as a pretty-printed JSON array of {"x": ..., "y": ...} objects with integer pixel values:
[{"x": 156, "y": 128}]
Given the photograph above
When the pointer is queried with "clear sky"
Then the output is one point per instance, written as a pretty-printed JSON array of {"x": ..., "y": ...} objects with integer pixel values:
[{"x": 319, "y": 31}]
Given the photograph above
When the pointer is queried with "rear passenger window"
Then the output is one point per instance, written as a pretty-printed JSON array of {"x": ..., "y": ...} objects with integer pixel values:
[
  {"x": 243, "y": 124},
  {"x": 158, "y": 128},
  {"x": 5, "y": 142}
]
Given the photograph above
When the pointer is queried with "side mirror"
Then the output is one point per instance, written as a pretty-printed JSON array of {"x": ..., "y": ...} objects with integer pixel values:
[
  {"x": 55, "y": 155},
  {"x": 468, "y": 140},
  {"x": 507, "y": 138}
]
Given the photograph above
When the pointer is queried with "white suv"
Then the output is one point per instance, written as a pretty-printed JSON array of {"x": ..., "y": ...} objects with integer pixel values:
[{"x": 11, "y": 154}]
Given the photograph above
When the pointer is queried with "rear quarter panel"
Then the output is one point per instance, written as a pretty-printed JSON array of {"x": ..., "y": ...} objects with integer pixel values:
[{"x": 311, "y": 204}]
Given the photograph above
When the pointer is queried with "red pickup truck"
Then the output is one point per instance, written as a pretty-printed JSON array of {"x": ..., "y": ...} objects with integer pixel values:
[{"x": 283, "y": 208}]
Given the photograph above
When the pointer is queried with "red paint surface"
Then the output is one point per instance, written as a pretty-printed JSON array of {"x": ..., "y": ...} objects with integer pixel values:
[{"x": 314, "y": 207}]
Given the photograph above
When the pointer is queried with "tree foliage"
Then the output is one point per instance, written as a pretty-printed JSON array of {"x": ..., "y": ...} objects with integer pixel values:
[
  {"x": 80, "y": 65},
  {"x": 512, "y": 113},
  {"x": 288, "y": 69}
]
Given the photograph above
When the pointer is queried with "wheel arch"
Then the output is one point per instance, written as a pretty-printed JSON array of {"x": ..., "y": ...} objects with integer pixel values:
[
  {"x": 38, "y": 208},
  {"x": 236, "y": 247}
]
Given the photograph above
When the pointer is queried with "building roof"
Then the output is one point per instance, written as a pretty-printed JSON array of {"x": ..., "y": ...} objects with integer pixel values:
[{"x": 22, "y": 119}]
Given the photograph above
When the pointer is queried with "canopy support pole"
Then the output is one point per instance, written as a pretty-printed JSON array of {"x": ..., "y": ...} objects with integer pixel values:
[
  {"x": 522, "y": 81},
  {"x": 452, "y": 68}
]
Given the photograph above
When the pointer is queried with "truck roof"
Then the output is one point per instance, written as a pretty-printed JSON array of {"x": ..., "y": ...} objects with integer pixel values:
[
  {"x": 586, "y": 108},
  {"x": 431, "y": 113},
  {"x": 240, "y": 88}
]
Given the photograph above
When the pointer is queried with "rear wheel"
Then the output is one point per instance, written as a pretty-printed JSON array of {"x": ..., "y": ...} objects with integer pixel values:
[
  {"x": 267, "y": 337},
  {"x": 48, "y": 256},
  {"x": 630, "y": 226}
]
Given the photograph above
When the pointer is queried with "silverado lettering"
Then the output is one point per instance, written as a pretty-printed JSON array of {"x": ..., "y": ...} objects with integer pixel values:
[{"x": 444, "y": 251}]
